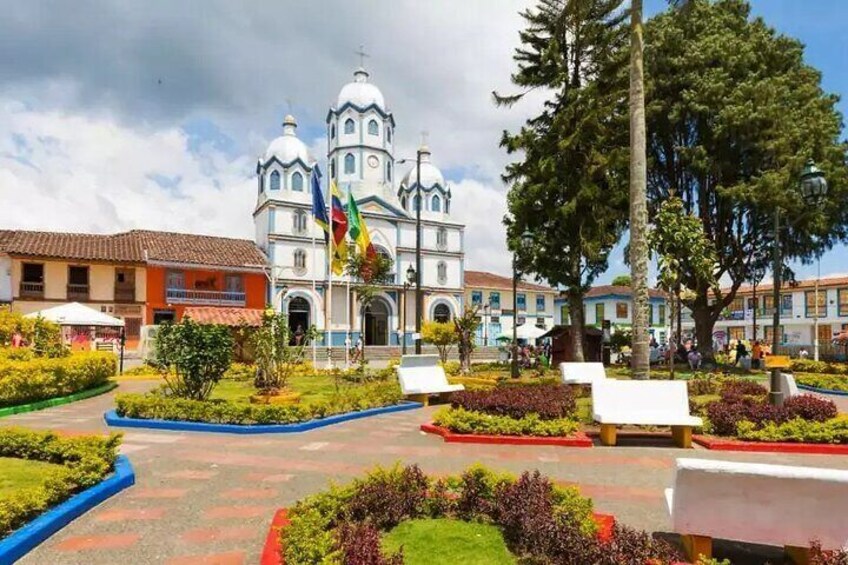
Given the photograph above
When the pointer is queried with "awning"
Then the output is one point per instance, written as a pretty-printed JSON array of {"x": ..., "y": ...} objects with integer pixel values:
[
  {"x": 76, "y": 314},
  {"x": 525, "y": 331},
  {"x": 225, "y": 316}
]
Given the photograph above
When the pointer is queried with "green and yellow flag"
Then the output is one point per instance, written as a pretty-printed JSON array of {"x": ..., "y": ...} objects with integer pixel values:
[{"x": 357, "y": 229}]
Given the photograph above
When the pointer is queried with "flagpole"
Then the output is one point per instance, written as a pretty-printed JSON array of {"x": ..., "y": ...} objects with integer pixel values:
[
  {"x": 329, "y": 318},
  {"x": 314, "y": 266}
]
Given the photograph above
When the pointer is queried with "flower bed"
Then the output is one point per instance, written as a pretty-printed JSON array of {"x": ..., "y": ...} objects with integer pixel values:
[
  {"x": 828, "y": 384},
  {"x": 86, "y": 465},
  {"x": 155, "y": 410},
  {"x": 539, "y": 522},
  {"x": 26, "y": 380}
]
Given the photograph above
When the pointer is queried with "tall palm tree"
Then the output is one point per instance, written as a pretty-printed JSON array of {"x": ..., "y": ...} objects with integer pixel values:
[{"x": 638, "y": 198}]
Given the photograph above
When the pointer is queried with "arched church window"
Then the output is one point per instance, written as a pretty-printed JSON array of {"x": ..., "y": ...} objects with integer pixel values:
[
  {"x": 442, "y": 238},
  {"x": 299, "y": 261},
  {"x": 350, "y": 164},
  {"x": 389, "y": 134},
  {"x": 332, "y": 168},
  {"x": 442, "y": 272},
  {"x": 389, "y": 171},
  {"x": 373, "y": 128},
  {"x": 403, "y": 202},
  {"x": 350, "y": 126},
  {"x": 275, "y": 180},
  {"x": 447, "y": 205},
  {"x": 436, "y": 203},
  {"x": 441, "y": 313},
  {"x": 299, "y": 222},
  {"x": 297, "y": 182},
  {"x": 333, "y": 131},
  {"x": 416, "y": 203}
]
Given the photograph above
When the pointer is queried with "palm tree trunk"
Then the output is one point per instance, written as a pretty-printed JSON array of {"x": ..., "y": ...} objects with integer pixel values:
[{"x": 638, "y": 198}]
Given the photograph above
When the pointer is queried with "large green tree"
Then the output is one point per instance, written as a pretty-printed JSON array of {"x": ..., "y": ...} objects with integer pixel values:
[
  {"x": 570, "y": 187},
  {"x": 733, "y": 113}
]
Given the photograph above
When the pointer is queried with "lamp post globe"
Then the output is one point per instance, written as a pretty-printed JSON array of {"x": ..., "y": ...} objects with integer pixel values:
[
  {"x": 813, "y": 185},
  {"x": 410, "y": 275}
]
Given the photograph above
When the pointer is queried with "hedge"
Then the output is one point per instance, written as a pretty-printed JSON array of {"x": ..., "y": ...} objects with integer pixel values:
[
  {"x": 462, "y": 421},
  {"x": 823, "y": 381},
  {"x": 797, "y": 430},
  {"x": 820, "y": 367},
  {"x": 27, "y": 381},
  {"x": 85, "y": 460},
  {"x": 160, "y": 407}
]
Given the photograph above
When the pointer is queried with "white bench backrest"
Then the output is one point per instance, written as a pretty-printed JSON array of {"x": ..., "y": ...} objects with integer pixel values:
[
  {"x": 573, "y": 372},
  {"x": 788, "y": 386},
  {"x": 760, "y": 503},
  {"x": 421, "y": 374},
  {"x": 611, "y": 396}
]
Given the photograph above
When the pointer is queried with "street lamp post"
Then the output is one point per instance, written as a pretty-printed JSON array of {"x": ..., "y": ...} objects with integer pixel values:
[
  {"x": 813, "y": 188},
  {"x": 410, "y": 278},
  {"x": 526, "y": 241},
  {"x": 419, "y": 297},
  {"x": 486, "y": 324}
]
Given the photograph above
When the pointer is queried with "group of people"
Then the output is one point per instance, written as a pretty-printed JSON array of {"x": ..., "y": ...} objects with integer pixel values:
[
  {"x": 757, "y": 354},
  {"x": 531, "y": 356}
]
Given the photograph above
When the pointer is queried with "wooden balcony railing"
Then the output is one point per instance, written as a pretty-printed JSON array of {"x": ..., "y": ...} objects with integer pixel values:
[
  {"x": 208, "y": 297},
  {"x": 32, "y": 289}
]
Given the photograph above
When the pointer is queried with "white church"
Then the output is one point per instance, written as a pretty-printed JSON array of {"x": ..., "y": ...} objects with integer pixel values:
[{"x": 361, "y": 158}]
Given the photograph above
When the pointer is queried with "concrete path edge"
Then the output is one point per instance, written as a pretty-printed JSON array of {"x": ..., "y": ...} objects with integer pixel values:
[
  {"x": 112, "y": 419},
  {"x": 823, "y": 390},
  {"x": 58, "y": 401},
  {"x": 26, "y": 538}
]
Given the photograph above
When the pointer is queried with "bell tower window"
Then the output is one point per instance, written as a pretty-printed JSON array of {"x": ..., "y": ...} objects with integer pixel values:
[
  {"x": 349, "y": 164},
  {"x": 275, "y": 180},
  {"x": 297, "y": 182},
  {"x": 349, "y": 126},
  {"x": 389, "y": 134},
  {"x": 373, "y": 128},
  {"x": 389, "y": 171},
  {"x": 436, "y": 203},
  {"x": 333, "y": 131}
]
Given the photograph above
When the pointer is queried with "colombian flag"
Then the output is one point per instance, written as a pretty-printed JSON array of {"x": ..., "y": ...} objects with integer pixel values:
[
  {"x": 339, "y": 230},
  {"x": 319, "y": 209},
  {"x": 358, "y": 229}
]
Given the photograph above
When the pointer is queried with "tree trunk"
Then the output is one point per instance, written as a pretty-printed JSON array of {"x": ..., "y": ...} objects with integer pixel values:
[
  {"x": 704, "y": 323},
  {"x": 575, "y": 311},
  {"x": 638, "y": 199}
]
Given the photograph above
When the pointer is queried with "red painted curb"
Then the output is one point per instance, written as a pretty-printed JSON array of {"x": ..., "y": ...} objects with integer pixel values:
[
  {"x": 577, "y": 440},
  {"x": 718, "y": 444},
  {"x": 271, "y": 551}
]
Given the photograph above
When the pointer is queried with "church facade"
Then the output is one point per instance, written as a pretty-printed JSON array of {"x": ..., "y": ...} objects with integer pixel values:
[{"x": 361, "y": 158}]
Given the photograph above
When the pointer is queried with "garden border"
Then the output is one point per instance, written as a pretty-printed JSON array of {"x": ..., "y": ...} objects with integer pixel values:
[
  {"x": 58, "y": 400},
  {"x": 580, "y": 439},
  {"x": 720, "y": 444},
  {"x": 822, "y": 390},
  {"x": 28, "y": 537},
  {"x": 112, "y": 419}
]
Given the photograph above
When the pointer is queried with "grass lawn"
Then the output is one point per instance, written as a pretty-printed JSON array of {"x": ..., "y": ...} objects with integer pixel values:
[
  {"x": 17, "y": 474},
  {"x": 311, "y": 388},
  {"x": 445, "y": 542}
]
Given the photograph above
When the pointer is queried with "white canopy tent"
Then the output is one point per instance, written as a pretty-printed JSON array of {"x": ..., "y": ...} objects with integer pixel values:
[
  {"x": 75, "y": 314},
  {"x": 525, "y": 331}
]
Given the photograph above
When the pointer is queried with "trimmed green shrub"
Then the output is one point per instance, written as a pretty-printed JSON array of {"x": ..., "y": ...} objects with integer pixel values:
[
  {"x": 193, "y": 357},
  {"x": 796, "y": 430},
  {"x": 464, "y": 421},
  {"x": 24, "y": 382},
  {"x": 820, "y": 367},
  {"x": 86, "y": 461},
  {"x": 159, "y": 406},
  {"x": 829, "y": 382}
]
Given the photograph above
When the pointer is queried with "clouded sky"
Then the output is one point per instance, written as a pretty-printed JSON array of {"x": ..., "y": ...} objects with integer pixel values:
[{"x": 151, "y": 114}]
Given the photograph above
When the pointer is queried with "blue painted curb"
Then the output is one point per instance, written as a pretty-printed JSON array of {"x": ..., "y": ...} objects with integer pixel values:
[
  {"x": 823, "y": 390},
  {"x": 112, "y": 419},
  {"x": 25, "y": 539}
]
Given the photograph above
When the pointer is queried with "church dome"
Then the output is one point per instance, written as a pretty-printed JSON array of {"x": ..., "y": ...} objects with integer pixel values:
[
  {"x": 288, "y": 147},
  {"x": 430, "y": 173},
  {"x": 360, "y": 92}
]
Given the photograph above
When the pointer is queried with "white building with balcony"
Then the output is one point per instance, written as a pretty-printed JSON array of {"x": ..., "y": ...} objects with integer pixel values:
[{"x": 361, "y": 159}]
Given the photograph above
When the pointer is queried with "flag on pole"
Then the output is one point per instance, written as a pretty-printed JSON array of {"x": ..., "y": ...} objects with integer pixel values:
[
  {"x": 358, "y": 229},
  {"x": 319, "y": 209},
  {"x": 339, "y": 230}
]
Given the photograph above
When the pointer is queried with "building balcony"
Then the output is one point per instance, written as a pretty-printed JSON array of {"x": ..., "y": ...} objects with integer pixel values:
[
  {"x": 125, "y": 294},
  {"x": 32, "y": 290},
  {"x": 78, "y": 292},
  {"x": 204, "y": 297}
]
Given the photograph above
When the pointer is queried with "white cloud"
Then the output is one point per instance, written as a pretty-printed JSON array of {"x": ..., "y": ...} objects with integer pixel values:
[
  {"x": 481, "y": 207},
  {"x": 69, "y": 172}
]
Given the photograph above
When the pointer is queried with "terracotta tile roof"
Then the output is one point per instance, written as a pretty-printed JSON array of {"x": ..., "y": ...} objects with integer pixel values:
[
  {"x": 806, "y": 284},
  {"x": 609, "y": 289},
  {"x": 482, "y": 279},
  {"x": 225, "y": 316},
  {"x": 137, "y": 246}
]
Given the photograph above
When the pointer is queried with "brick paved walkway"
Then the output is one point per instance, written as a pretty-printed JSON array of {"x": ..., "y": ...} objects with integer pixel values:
[{"x": 208, "y": 498}]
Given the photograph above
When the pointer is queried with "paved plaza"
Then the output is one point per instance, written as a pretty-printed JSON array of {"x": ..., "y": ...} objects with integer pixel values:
[{"x": 208, "y": 498}]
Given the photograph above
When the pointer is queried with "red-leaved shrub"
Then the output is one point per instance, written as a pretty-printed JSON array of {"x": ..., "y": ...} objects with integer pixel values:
[
  {"x": 726, "y": 413},
  {"x": 548, "y": 401},
  {"x": 388, "y": 499},
  {"x": 360, "y": 545},
  {"x": 811, "y": 407},
  {"x": 819, "y": 556}
]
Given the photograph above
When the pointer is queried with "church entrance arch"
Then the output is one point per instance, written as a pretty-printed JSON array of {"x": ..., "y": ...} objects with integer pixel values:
[
  {"x": 377, "y": 323},
  {"x": 299, "y": 317}
]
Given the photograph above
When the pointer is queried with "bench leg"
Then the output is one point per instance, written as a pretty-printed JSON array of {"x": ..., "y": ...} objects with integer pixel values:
[
  {"x": 798, "y": 555},
  {"x": 682, "y": 436},
  {"x": 607, "y": 434},
  {"x": 696, "y": 546},
  {"x": 422, "y": 398}
]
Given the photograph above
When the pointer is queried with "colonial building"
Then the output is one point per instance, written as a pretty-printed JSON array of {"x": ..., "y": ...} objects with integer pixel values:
[
  {"x": 798, "y": 311},
  {"x": 615, "y": 304},
  {"x": 493, "y": 295},
  {"x": 142, "y": 277},
  {"x": 361, "y": 159}
]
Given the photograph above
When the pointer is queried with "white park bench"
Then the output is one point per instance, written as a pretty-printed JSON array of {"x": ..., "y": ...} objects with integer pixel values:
[
  {"x": 582, "y": 373},
  {"x": 775, "y": 505},
  {"x": 421, "y": 375},
  {"x": 788, "y": 386},
  {"x": 643, "y": 403}
]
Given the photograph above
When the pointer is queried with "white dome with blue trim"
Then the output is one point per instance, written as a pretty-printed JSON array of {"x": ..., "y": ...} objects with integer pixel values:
[
  {"x": 430, "y": 173},
  {"x": 288, "y": 147},
  {"x": 360, "y": 92}
]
